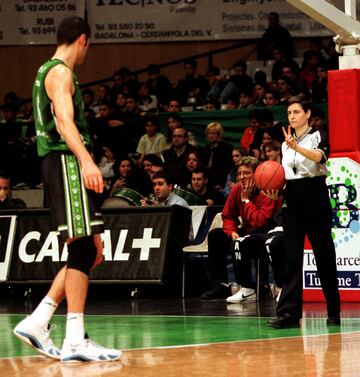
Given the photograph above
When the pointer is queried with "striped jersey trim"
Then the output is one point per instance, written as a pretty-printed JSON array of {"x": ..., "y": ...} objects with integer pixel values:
[{"x": 76, "y": 200}]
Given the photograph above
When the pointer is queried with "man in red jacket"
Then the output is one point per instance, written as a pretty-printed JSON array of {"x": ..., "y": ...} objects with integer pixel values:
[{"x": 246, "y": 211}]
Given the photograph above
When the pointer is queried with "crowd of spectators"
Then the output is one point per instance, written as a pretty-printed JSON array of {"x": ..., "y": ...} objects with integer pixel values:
[{"x": 125, "y": 129}]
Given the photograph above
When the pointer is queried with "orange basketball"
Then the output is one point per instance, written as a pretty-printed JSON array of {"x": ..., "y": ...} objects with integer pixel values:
[{"x": 269, "y": 175}]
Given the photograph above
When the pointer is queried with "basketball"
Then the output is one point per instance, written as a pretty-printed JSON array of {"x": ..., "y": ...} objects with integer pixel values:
[{"x": 269, "y": 175}]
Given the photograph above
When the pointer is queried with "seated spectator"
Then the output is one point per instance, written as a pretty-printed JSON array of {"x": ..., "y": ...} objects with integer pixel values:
[
  {"x": 193, "y": 161},
  {"x": 269, "y": 247},
  {"x": 173, "y": 122},
  {"x": 106, "y": 166},
  {"x": 271, "y": 98},
  {"x": 239, "y": 81},
  {"x": 212, "y": 105},
  {"x": 153, "y": 141},
  {"x": 122, "y": 169},
  {"x": 246, "y": 100},
  {"x": 256, "y": 212},
  {"x": 102, "y": 95},
  {"x": 285, "y": 88},
  {"x": 134, "y": 122},
  {"x": 175, "y": 157},
  {"x": 6, "y": 200},
  {"x": 192, "y": 85},
  {"x": 88, "y": 96},
  {"x": 259, "y": 93},
  {"x": 217, "y": 83},
  {"x": 282, "y": 61},
  {"x": 253, "y": 124},
  {"x": 159, "y": 86},
  {"x": 307, "y": 72},
  {"x": 148, "y": 103},
  {"x": 173, "y": 106},
  {"x": 317, "y": 120},
  {"x": 237, "y": 154},
  {"x": 163, "y": 186},
  {"x": 320, "y": 85},
  {"x": 151, "y": 160},
  {"x": 275, "y": 36},
  {"x": 217, "y": 154},
  {"x": 232, "y": 103},
  {"x": 273, "y": 151},
  {"x": 201, "y": 187},
  {"x": 297, "y": 85}
]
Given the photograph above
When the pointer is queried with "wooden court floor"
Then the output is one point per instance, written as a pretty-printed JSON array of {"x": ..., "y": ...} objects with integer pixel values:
[{"x": 191, "y": 338}]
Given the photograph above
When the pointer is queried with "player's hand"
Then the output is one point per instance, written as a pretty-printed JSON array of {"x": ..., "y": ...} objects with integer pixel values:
[
  {"x": 92, "y": 176},
  {"x": 234, "y": 236},
  {"x": 289, "y": 138}
]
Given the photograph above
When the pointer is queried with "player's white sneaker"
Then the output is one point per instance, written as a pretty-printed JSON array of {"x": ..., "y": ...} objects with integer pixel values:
[
  {"x": 37, "y": 337},
  {"x": 243, "y": 295},
  {"x": 87, "y": 350}
]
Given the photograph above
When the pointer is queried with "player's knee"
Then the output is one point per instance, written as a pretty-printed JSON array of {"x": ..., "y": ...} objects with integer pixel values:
[{"x": 82, "y": 254}]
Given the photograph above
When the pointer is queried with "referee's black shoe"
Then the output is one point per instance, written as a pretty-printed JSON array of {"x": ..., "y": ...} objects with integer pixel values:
[{"x": 285, "y": 321}]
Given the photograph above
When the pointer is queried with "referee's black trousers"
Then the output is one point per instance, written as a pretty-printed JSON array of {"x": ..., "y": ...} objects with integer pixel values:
[{"x": 307, "y": 211}]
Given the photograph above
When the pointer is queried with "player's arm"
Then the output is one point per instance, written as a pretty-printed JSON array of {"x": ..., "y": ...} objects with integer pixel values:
[{"x": 59, "y": 87}]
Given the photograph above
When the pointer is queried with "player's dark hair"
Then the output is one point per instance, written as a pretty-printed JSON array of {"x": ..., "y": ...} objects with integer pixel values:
[{"x": 70, "y": 29}]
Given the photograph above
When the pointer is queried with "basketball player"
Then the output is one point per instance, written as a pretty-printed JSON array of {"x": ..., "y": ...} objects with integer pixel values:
[{"x": 71, "y": 180}]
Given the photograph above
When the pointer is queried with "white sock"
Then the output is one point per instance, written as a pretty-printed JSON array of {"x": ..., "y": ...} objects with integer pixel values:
[
  {"x": 74, "y": 328},
  {"x": 44, "y": 311}
]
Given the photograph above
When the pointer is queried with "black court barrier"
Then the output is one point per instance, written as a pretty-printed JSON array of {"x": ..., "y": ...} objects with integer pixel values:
[{"x": 141, "y": 246}]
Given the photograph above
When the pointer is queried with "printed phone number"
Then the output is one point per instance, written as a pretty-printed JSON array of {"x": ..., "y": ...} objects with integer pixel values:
[
  {"x": 51, "y": 7},
  {"x": 128, "y": 26}
]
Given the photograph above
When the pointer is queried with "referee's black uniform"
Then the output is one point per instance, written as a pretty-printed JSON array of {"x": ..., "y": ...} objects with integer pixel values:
[{"x": 307, "y": 211}]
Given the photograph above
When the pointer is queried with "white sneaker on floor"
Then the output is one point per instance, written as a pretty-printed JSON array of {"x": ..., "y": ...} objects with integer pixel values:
[
  {"x": 243, "y": 295},
  {"x": 37, "y": 337},
  {"x": 87, "y": 350}
]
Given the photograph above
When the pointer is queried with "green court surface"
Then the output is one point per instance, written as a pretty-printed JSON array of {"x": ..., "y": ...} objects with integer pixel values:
[{"x": 140, "y": 332}]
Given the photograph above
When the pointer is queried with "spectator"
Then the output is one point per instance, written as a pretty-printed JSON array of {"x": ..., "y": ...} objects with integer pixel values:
[
  {"x": 273, "y": 151},
  {"x": 159, "y": 85},
  {"x": 237, "y": 154},
  {"x": 192, "y": 85},
  {"x": 317, "y": 120},
  {"x": 271, "y": 98},
  {"x": 275, "y": 36},
  {"x": 253, "y": 124},
  {"x": 239, "y": 81},
  {"x": 173, "y": 122},
  {"x": 212, "y": 105},
  {"x": 173, "y": 106},
  {"x": 148, "y": 102},
  {"x": 163, "y": 189},
  {"x": 281, "y": 61},
  {"x": 217, "y": 83},
  {"x": 284, "y": 87},
  {"x": 320, "y": 85},
  {"x": 122, "y": 168},
  {"x": 175, "y": 157},
  {"x": 153, "y": 141},
  {"x": 201, "y": 187},
  {"x": 256, "y": 211},
  {"x": 6, "y": 200},
  {"x": 217, "y": 154},
  {"x": 152, "y": 160},
  {"x": 193, "y": 162}
]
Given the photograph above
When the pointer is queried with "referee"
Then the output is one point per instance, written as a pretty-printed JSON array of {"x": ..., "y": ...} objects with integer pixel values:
[{"x": 307, "y": 212}]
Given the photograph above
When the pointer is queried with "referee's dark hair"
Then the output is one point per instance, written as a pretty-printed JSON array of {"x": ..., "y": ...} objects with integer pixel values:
[
  {"x": 70, "y": 29},
  {"x": 302, "y": 100}
]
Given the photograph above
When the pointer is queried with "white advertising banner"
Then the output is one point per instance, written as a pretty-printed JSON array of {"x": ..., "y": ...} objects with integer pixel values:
[
  {"x": 344, "y": 188},
  {"x": 34, "y": 21},
  {"x": 114, "y": 21},
  {"x": 181, "y": 20}
]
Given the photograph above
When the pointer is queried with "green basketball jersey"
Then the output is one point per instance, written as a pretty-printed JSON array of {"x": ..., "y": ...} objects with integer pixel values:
[{"x": 48, "y": 138}]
